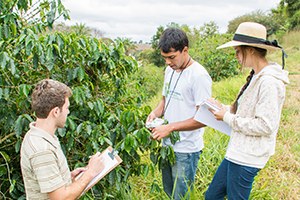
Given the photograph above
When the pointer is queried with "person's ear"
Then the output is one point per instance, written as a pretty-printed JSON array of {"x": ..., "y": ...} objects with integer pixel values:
[
  {"x": 185, "y": 49},
  {"x": 55, "y": 111},
  {"x": 251, "y": 51}
]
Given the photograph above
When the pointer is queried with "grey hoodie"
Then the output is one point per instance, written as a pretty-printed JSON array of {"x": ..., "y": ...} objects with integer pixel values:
[{"x": 256, "y": 122}]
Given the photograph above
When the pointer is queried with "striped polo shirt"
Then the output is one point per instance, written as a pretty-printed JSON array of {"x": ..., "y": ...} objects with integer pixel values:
[{"x": 44, "y": 165}]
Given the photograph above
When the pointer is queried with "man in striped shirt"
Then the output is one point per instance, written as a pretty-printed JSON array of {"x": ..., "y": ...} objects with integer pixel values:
[{"x": 44, "y": 166}]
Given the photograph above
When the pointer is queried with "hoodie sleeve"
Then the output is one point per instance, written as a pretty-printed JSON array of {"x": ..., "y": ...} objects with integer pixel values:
[{"x": 267, "y": 111}]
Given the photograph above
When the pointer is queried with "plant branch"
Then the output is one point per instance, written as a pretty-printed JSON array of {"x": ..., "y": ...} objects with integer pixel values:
[{"x": 6, "y": 137}]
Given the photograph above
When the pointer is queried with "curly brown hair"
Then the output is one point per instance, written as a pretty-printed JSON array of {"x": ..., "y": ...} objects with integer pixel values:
[{"x": 47, "y": 95}]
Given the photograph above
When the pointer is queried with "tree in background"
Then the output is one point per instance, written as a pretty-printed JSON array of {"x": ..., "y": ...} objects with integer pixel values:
[
  {"x": 281, "y": 19},
  {"x": 129, "y": 45},
  {"x": 156, "y": 58},
  {"x": 290, "y": 9},
  {"x": 79, "y": 29},
  {"x": 266, "y": 18}
]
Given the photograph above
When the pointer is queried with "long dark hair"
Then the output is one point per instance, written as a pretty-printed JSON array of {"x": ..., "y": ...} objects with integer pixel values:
[
  {"x": 235, "y": 104},
  {"x": 261, "y": 53}
]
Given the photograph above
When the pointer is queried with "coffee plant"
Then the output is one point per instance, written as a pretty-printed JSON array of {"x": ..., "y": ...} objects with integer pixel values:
[{"x": 104, "y": 110}]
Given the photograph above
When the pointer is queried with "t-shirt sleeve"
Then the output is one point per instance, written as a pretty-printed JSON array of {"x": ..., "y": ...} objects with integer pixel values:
[
  {"x": 202, "y": 87},
  {"x": 46, "y": 169}
]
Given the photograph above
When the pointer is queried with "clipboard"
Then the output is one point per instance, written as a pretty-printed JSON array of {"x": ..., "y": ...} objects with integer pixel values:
[
  {"x": 111, "y": 160},
  {"x": 210, "y": 105},
  {"x": 206, "y": 117}
]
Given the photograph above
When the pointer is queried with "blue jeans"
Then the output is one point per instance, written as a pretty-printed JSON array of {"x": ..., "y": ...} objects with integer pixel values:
[
  {"x": 232, "y": 180},
  {"x": 178, "y": 178}
]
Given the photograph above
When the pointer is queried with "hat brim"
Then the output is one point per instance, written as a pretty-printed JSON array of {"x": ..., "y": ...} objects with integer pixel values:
[{"x": 234, "y": 43}]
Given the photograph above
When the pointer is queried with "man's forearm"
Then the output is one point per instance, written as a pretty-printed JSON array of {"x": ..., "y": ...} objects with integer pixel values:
[
  {"x": 186, "y": 125},
  {"x": 74, "y": 190},
  {"x": 158, "y": 111}
]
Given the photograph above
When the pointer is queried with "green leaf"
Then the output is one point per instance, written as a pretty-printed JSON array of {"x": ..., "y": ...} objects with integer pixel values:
[
  {"x": 25, "y": 89},
  {"x": 163, "y": 153},
  {"x": 28, "y": 45},
  {"x": 88, "y": 129},
  {"x": 12, "y": 66},
  {"x": 35, "y": 60},
  {"x": 49, "y": 59},
  {"x": 90, "y": 105},
  {"x": 61, "y": 132},
  {"x": 3, "y": 59},
  {"x": 81, "y": 73},
  {"x": 12, "y": 186},
  {"x": 99, "y": 108},
  {"x": 57, "y": 49},
  {"x": 129, "y": 141},
  {"x": 145, "y": 170},
  {"x": 71, "y": 124},
  {"x": 3, "y": 171},
  {"x": 5, "y": 156},
  {"x": 19, "y": 126},
  {"x": 18, "y": 146},
  {"x": 13, "y": 29},
  {"x": 79, "y": 128},
  {"x": 108, "y": 141}
]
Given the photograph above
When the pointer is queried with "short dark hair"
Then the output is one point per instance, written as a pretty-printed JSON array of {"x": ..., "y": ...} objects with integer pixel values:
[
  {"x": 173, "y": 38},
  {"x": 47, "y": 95}
]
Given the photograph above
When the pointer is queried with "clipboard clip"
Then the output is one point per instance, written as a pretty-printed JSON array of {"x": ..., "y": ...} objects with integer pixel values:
[{"x": 112, "y": 154}]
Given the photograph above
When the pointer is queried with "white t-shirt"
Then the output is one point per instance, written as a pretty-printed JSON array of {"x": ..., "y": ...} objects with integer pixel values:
[{"x": 193, "y": 86}]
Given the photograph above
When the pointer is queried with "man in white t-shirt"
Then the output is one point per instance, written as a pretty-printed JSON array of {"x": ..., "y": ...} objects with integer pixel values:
[{"x": 186, "y": 84}]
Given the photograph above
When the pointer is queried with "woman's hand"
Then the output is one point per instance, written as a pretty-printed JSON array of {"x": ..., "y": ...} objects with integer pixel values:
[{"x": 219, "y": 115}]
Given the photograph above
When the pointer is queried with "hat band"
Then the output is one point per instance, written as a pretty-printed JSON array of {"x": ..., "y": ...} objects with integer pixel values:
[{"x": 251, "y": 40}]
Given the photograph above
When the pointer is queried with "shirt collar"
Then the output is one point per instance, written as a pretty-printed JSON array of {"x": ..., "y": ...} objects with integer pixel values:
[{"x": 43, "y": 134}]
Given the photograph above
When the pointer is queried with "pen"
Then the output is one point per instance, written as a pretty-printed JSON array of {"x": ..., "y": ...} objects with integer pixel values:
[{"x": 95, "y": 154}]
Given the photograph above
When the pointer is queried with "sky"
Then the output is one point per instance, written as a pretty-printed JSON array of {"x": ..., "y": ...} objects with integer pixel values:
[{"x": 139, "y": 19}]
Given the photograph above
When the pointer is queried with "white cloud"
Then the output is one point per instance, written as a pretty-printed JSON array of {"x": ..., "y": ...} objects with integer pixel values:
[{"x": 139, "y": 19}]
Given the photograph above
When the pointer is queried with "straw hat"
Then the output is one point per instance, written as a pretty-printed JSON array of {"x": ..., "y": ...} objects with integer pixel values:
[{"x": 251, "y": 34}]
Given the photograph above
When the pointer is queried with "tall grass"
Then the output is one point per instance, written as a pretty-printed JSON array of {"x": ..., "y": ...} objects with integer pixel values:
[{"x": 280, "y": 179}]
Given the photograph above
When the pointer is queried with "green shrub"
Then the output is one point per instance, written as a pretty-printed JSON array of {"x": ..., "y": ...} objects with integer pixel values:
[
  {"x": 220, "y": 63},
  {"x": 104, "y": 109}
]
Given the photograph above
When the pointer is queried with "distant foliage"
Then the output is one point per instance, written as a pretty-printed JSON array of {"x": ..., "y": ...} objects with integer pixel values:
[
  {"x": 292, "y": 10},
  {"x": 203, "y": 43},
  {"x": 220, "y": 63},
  {"x": 155, "y": 56},
  {"x": 285, "y": 17},
  {"x": 273, "y": 24}
]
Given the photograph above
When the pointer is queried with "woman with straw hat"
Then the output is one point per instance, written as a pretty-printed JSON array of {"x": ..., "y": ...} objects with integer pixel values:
[{"x": 254, "y": 116}]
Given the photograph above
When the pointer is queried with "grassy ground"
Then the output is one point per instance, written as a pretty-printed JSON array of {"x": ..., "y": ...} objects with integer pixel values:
[{"x": 280, "y": 179}]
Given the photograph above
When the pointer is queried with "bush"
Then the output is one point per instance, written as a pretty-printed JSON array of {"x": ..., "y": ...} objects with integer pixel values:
[
  {"x": 220, "y": 63},
  {"x": 102, "y": 110}
]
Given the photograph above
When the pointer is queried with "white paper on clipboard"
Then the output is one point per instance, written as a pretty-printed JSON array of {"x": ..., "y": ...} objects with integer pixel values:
[
  {"x": 206, "y": 117},
  {"x": 111, "y": 160}
]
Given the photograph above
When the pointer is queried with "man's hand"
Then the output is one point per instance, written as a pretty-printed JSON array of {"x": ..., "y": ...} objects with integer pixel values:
[
  {"x": 77, "y": 171},
  {"x": 151, "y": 117},
  {"x": 161, "y": 131},
  {"x": 96, "y": 164}
]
